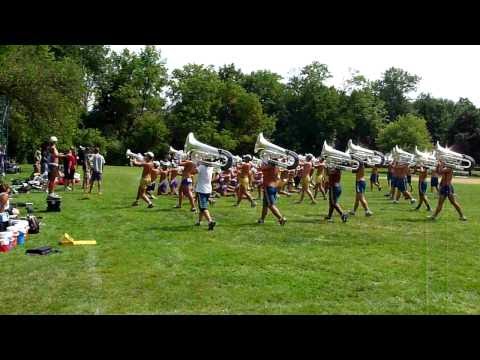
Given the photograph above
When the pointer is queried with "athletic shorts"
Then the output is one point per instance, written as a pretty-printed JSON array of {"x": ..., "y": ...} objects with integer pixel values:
[
  {"x": 409, "y": 179},
  {"x": 162, "y": 186},
  {"x": 389, "y": 176},
  {"x": 96, "y": 176},
  {"x": 173, "y": 184},
  {"x": 151, "y": 187},
  {"x": 374, "y": 178},
  {"x": 203, "y": 201},
  {"x": 402, "y": 184},
  {"x": 423, "y": 187},
  {"x": 70, "y": 174},
  {"x": 360, "y": 186},
  {"x": 434, "y": 181},
  {"x": 319, "y": 179},
  {"x": 186, "y": 182},
  {"x": 269, "y": 196},
  {"x": 446, "y": 190},
  {"x": 306, "y": 181},
  {"x": 296, "y": 180},
  {"x": 145, "y": 182},
  {"x": 335, "y": 191},
  {"x": 244, "y": 181}
]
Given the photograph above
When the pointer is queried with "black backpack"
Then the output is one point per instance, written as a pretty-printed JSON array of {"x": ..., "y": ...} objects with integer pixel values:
[{"x": 33, "y": 224}]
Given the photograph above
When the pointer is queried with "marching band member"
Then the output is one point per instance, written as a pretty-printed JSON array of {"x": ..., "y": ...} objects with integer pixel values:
[
  {"x": 172, "y": 179},
  {"x": 163, "y": 180},
  {"x": 270, "y": 176},
  {"x": 422, "y": 187},
  {"x": 155, "y": 172},
  {"x": 374, "y": 179},
  {"x": 390, "y": 181},
  {"x": 409, "y": 179},
  {"x": 434, "y": 182},
  {"x": 282, "y": 182},
  {"x": 320, "y": 180},
  {"x": 360, "y": 186},
  {"x": 307, "y": 167},
  {"x": 334, "y": 192},
  {"x": 446, "y": 191},
  {"x": 203, "y": 190},
  {"x": 259, "y": 182},
  {"x": 401, "y": 183},
  {"x": 189, "y": 169},
  {"x": 243, "y": 181},
  {"x": 291, "y": 181},
  {"x": 146, "y": 179}
]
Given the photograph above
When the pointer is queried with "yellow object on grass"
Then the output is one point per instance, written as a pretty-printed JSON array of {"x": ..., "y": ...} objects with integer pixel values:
[{"x": 68, "y": 240}]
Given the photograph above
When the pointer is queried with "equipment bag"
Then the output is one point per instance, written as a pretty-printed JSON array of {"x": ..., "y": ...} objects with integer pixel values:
[
  {"x": 33, "y": 224},
  {"x": 43, "y": 250}
]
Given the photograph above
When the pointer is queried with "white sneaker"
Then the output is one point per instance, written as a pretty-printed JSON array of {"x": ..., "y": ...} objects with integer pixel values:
[
  {"x": 394, "y": 202},
  {"x": 368, "y": 213},
  {"x": 431, "y": 217},
  {"x": 413, "y": 201},
  {"x": 463, "y": 218},
  {"x": 351, "y": 212}
]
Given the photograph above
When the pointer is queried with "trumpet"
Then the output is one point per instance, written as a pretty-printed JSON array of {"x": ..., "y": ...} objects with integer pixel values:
[
  {"x": 338, "y": 159},
  {"x": 206, "y": 154},
  {"x": 177, "y": 154},
  {"x": 403, "y": 157},
  {"x": 275, "y": 154},
  {"x": 131, "y": 155},
  {"x": 370, "y": 157},
  {"x": 453, "y": 159},
  {"x": 425, "y": 159}
]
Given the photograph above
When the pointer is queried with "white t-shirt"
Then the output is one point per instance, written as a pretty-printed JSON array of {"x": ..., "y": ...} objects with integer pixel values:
[
  {"x": 204, "y": 179},
  {"x": 98, "y": 162}
]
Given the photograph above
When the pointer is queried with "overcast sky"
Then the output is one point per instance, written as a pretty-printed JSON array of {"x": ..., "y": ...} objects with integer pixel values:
[{"x": 450, "y": 72}]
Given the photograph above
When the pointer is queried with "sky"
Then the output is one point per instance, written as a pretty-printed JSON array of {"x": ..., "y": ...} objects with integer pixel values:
[{"x": 446, "y": 71}]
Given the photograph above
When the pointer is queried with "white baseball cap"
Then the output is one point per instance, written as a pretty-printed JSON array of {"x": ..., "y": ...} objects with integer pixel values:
[
  {"x": 53, "y": 139},
  {"x": 156, "y": 163},
  {"x": 149, "y": 154}
]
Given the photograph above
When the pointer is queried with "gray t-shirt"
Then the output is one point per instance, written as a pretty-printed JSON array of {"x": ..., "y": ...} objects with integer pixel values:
[
  {"x": 204, "y": 179},
  {"x": 98, "y": 162}
]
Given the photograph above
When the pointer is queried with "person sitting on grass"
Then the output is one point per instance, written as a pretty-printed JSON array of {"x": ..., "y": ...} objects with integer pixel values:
[
  {"x": 189, "y": 169},
  {"x": 360, "y": 186},
  {"x": 320, "y": 179},
  {"x": 334, "y": 192},
  {"x": 374, "y": 180},
  {"x": 307, "y": 167},
  {"x": 146, "y": 178},
  {"x": 244, "y": 173},
  {"x": 422, "y": 187},
  {"x": 446, "y": 191},
  {"x": 97, "y": 169},
  {"x": 203, "y": 190},
  {"x": 270, "y": 177}
]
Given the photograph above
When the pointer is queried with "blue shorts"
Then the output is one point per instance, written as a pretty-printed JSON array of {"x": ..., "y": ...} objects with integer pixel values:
[
  {"x": 409, "y": 179},
  {"x": 173, "y": 184},
  {"x": 360, "y": 186},
  {"x": 203, "y": 201},
  {"x": 434, "y": 181},
  {"x": 423, "y": 187},
  {"x": 335, "y": 192},
  {"x": 186, "y": 182},
  {"x": 374, "y": 178},
  {"x": 269, "y": 196},
  {"x": 446, "y": 190},
  {"x": 393, "y": 181},
  {"x": 389, "y": 176},
  {"x": 96, "y": 176},
  {"x": 402, "y": 184}
]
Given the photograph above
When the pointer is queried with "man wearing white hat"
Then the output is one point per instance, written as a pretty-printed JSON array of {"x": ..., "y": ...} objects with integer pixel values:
[
  {"x": 54, "y": 155},
  {"x": 146, "y": 179}
]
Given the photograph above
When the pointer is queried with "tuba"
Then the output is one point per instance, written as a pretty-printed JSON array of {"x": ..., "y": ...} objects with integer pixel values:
[
  {"x": 178, "y": 155},
  {"x": 131, "y": 155},
  {"x": 402, "y": 157},
  {"x": 207, "y": 154},
  {"x": 453, "y": 159},
  {"x": 388, "y": 160},
  {"x": 275, "y": 154},
  {"x": 425, "y": 159},
  {"x": 370, "y": 157},
  {"x": 338, "y": 159}
]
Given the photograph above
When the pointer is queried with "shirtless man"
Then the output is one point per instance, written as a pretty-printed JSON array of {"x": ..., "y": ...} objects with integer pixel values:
[
  {"x": 422, "y": 187},
  {"x": 409, "y": 179},
  {"x": 163, "y": 180},
  {"x": 394, "y": 179},
  {"x": 320, "y": 180},
  {"x": 334, "y": 192},
  {"x": 282, "y": 182},
  {"x": 259, "y": 182},
  {"x": 146, "y": 179},
  {"x": 374, "y": 179},
  {"x": 402, "y": 170},
  {"x": 434, "y": 182},
  {"x": 446, "y": 191},
  {"x": 172, "y": 179},
  {"x": 189, "y": 169},
  {"x": 390, "y": 181},
  {"x": 155, "y": 173},
  {"x": 291, "y": 181},
  {"x": 307, "y": 167},
  {"x": 360, "y": 186},
  {"x": 270, "y": 176},
  {"x": 53, "y": 172},
  {"x": 244, "y": 173}
]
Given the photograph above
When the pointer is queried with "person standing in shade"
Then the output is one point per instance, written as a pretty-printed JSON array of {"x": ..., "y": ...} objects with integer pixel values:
[{"x": 98, "y": 163}]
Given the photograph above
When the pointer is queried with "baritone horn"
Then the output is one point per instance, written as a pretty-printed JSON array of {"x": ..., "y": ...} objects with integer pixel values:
[
  {"x": 338, "y": 159},
  {"x": 454, "y": 159},
  {"x": 425, "y": 159},
  {"x": 402, "y": 157},
  {"x": 131, "y": 155},
  {"x": 207, "y": 154},
  {"x": 369, "y": 157},
  {"x": 275, "y": 154}
]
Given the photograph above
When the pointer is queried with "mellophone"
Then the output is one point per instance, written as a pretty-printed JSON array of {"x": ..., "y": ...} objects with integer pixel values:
[{"x": 350, "y": 159}]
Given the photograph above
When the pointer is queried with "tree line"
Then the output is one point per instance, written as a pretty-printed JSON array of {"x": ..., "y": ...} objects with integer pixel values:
[{"x": 90, "y": 95}]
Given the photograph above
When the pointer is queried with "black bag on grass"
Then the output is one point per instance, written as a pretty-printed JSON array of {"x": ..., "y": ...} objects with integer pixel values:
[
  {"x": 43, "y": 250},
  {"x": 33, "y": 224}
]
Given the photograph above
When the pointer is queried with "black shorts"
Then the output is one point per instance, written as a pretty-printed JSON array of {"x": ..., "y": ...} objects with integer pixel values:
[
  {"x": 96, "y": 176},
  {"x": 70, "y": 174}
]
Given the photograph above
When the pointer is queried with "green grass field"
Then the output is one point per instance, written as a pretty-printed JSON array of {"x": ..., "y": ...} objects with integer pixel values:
[{"x": 154, "y": 261}]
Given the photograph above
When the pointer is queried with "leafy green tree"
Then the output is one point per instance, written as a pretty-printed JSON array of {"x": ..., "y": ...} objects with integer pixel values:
[
  {"x": 393, "y": 89},
  {"x": 406, "y": 132},
  {"x": 269, "y": 89},
  {"x": 464, "y": 134}
]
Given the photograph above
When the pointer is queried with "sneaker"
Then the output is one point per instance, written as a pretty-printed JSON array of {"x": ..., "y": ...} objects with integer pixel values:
[
  {"x": 368, "y": 213},
  {"x": 416, "y": 209},
  {"x": 463, "y": 218},
  {"x": 152, "y": 197},
  {"x": 177, "y": 207},
  {"x": 260, "y": 221},
  {"x": 379, "y": 189},
  {"x": 387, "y": 195},
  {"x": 413, "y": 201},
  {"x": 197, "y": 223},
  {"x": 235, "y": 205},
  {"x": 193, "y": 210},
  {"x": 282, "y": 221},
  {"x": 429, "y": 209},
  {"x": 150, "y": 206},
  {"x": 351, "y": 212},
  {"x": 431, "y": 217},
  {"x": 394, "y": 202},
  {"x": 211, "y": 225},
  {"x": 344, "y": 218},
  {"x": 254, "y": 204},
  {"x": 135, "y": 203},
  {"x": 313, "y": 202}
]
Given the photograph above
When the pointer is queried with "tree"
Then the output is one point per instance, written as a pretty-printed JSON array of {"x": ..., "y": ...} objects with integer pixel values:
[
  {"x": 393, "y": 89},
  {"x": 406, "y": 132}
]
